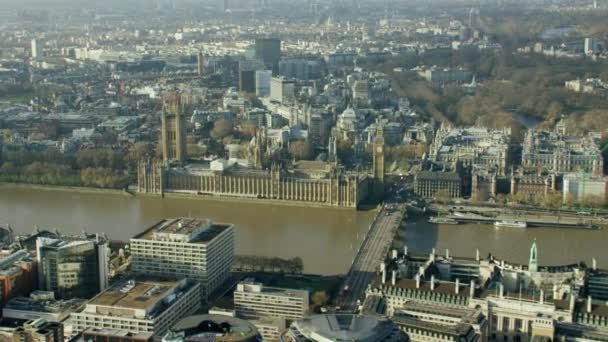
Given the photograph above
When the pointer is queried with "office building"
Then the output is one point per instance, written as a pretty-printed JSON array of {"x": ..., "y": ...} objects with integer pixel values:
[
  {"x": 361, "y": 92},
  {"x": 247, "y": 81},
  {"x": 270, "y": 328},
  {"x": 262, "y": 83},
  {"x": 476, "y": 147},
  {"x": 212, "y": 327},
  {"x": 560, "y": 153},
  {"x": 301, "y": 68},
  {"x": 594, "y": 86},
  {"x": 584, "y": 188},
  {"x": 268, "y": 50},
  {"x": 173, "y": 130},
  {"x": 254, "y": 300},
  {"x": 37, "y": 330},
  {"x": 596, "y": 283},
  {"x": 185, "y": 248},
  {"x": 343, "y": 327},
  {"x": 421, "y": 322},
  {"x": 446, "y": 76},
  {"x": 282, "y": 90},
  {"x": 17, "y": 274},
  {"x": 112, "y": 335},
  {"x": 247, "y": 75},
  {"x": 72, "y": 268},
  {"x": 200, "y": 64},
  {"x": 139, "y": 306},
  {"x": 438, "y": 184},
  {"x": 35, "y": 52},
  {"x": 41, "y": 304},
  {"x": 590, "y": 46}
]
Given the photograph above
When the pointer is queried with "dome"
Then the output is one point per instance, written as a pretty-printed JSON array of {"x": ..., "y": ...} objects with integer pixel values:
[
  {"x": 349, "y": 112},
  {"x": 212, "y": 328},
  {"x": 343, "y": 327}
]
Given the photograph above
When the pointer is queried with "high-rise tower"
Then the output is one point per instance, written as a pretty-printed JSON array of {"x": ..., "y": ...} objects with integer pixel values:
[
  {"x": 173, "y": 130},
  {"x": 35, "y": 53},
  {"x": 268, "y": 50},
  {"x": 200, "y": 63}
]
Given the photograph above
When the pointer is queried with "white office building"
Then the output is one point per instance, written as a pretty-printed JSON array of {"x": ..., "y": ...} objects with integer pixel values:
[
  {"x": 142, "y": 305},
  {"x": 35, "y": 53},
  {"x": 581, "y": 187},
  {"x": 185, "y": 248},
  {"x": 254, "y": 300},
  {"x": 282, "y": 90}
]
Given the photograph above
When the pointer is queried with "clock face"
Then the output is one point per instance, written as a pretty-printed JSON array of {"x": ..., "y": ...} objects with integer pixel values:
[{"x": 379, "y": 149}]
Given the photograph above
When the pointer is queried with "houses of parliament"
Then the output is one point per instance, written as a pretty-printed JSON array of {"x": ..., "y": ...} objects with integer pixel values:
[{"x": 315, "y": 183}]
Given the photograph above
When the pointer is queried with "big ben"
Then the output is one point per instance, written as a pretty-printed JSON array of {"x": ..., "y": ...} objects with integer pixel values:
[{"x": 378, "y": 156}]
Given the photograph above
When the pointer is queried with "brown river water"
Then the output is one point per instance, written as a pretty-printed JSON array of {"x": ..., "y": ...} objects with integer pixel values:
[{"x": 325, "y": 239}]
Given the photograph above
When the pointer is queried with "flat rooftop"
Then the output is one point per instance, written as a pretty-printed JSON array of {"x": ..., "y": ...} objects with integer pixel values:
[
  {"x": 461, "y": 329},
  {"x": 252, "y": 287},
  {"x": 48, "y": 306},
  {"x": 135, "y": 294},
  {"x": 193, "y": 230}
]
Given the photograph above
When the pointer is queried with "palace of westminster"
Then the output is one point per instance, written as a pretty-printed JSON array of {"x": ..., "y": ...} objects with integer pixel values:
[{"x": 254, "y": 176}]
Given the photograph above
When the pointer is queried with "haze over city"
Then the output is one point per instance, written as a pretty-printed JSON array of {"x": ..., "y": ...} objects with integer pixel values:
[{"x": 311, "y": 170}]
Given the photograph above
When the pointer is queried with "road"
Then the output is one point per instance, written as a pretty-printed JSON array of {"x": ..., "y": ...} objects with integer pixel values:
[{"x": 373, "y": 251}]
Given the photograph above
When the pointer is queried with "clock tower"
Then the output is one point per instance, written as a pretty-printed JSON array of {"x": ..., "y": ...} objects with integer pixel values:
[{"x": 378, "y": 155}]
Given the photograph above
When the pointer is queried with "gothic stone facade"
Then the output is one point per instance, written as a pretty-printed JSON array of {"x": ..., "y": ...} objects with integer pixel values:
[{"x": 335, "y": 189}]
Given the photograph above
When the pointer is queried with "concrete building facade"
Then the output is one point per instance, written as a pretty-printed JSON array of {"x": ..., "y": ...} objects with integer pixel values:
[
  {"x": 254, "y": 300},
  {"x": 141, "y": 305},
  {"x": 185, "y": 248}
]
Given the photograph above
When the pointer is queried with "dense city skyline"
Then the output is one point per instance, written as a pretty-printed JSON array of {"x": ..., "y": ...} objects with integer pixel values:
[{"x": 310, "y": 170}]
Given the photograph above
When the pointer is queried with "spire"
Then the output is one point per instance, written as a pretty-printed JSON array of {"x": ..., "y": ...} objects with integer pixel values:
[{"x": 533, "y": 263}]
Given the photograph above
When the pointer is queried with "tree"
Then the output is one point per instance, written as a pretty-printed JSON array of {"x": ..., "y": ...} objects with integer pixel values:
[
  {"x": 221, "y": 129},
  {"x": 300, "y": 150},
  {"x": 345, "y": 150},
  {"x": 248, "y": 129},
  {"x": 319, "y": 298},
  {"x": 140, "y": 151}
]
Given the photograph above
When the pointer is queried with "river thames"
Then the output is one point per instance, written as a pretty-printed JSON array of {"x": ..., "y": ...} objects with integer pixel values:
[{"x": 325, "y": 239}]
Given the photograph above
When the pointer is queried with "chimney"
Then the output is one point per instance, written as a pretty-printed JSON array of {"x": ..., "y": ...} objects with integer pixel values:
[
  {"x": 589, "y": 304},
  {"x": 457, "y": 286},
  {"x": 572, "y": 301},
  {"x": 394, "y": 278},
  {"x": 405, "y": 250},
  {"x": 594, "y": 264},
  {"x": 501, "y": 291},
  {"x": 477, "y": 254},
  {"x": 472, "y": 288},
  {"x": 432, "y": 283},
  {"x": 395, "y": 254},
  {"x": 447, "y": 253},
  {"x": 417, "y": 281},
  {"x": 542, "y": 296}
]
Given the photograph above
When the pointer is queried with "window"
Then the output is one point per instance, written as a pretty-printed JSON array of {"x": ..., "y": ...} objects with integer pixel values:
[
  {"x": 519, "y": 324},
  {"x": 505, "y": 324},
  {"x": 494, "y": 322}
]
